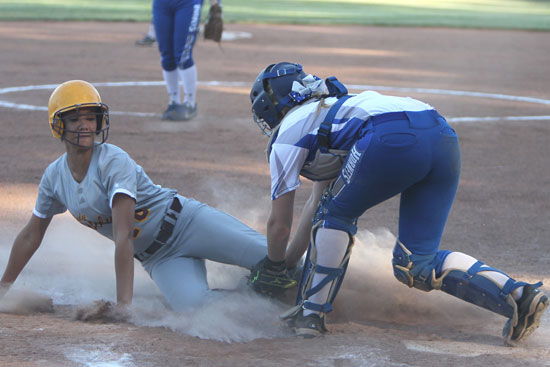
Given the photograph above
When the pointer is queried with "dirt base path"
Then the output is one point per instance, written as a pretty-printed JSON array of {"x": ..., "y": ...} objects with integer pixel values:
[{"x": 498, "y": 79}]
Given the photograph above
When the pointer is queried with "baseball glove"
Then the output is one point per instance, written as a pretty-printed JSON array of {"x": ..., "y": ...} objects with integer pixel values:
[
  {"x": 268, "y": 281},
  {"x": 213, "y": 26}
]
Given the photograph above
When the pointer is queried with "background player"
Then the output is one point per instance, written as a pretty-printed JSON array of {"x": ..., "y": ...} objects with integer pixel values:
[
  {"x": 176, "y": 27},
  {"x": 391, "y": 145},
  {"x": 149, "y": 38},
  {"x": 104, "y": 189}
]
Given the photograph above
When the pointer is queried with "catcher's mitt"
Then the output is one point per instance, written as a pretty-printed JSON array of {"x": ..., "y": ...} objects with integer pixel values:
[
  {"x": 213, "y": 26},
  {"x": 268, "y": 281}
]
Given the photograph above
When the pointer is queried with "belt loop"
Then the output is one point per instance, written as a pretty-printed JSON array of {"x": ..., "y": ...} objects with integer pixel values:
[{"x": 176, "y": 205}]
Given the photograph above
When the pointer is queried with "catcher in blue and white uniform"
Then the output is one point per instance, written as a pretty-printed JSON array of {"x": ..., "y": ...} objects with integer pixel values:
[
  {"x": 361, "y": 150},
  {"x": 104, "y": 189}
]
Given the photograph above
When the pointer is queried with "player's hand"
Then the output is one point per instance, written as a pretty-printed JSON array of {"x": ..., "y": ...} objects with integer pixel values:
[{"x": 103, "y": 311}]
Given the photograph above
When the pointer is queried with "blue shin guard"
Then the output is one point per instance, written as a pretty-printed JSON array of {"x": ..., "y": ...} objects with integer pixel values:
[
  {"x": 333, "y": 276},
  {"x": 470, "y": 285},
  {"x": 473, "y": 287}
]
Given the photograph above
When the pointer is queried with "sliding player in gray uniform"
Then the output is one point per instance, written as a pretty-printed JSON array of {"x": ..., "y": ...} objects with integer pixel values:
[
  {"x": 369, "y": 147},
  {"x": 104, "y": 189}
]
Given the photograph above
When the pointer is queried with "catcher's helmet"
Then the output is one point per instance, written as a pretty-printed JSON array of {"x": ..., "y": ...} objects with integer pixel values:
[
  {"x": 270, "y": 94},
  {"x": 71, "y": 96}
]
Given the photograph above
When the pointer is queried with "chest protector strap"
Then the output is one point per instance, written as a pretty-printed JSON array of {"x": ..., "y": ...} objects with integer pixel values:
[{"x": 337, "y": 89}]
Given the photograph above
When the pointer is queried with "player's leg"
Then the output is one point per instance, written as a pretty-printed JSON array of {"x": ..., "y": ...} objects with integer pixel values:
[
  {"x": 182, "y": 281},
  {"x": 187, "y": 28},
  {"x": 379, "y": 166},
  {"x": 423, "y": 212},
  {"x": 467, "y": 278},
  {"x": 151, "y": 33},
  {"x": 149, "y": 38},
  {"x": 418, "y": 263},
  {"x": 220, "y": 237},
  {"x": 425, "y": 206},
  {"x": 324, "y": 271},
  {"x": 163, "y": 20}
]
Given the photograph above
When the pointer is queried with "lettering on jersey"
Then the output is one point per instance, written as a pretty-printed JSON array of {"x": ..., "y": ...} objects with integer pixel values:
[
  {"x": 349, "y": 168},
  {"x": 95, "y": 225},
  {"x": 141, "y": 215}
]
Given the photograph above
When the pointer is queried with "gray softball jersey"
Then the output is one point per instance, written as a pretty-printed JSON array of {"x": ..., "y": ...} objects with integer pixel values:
[
  {"x": 200, "y": 232},
  {"x": 111, "y": 172}
]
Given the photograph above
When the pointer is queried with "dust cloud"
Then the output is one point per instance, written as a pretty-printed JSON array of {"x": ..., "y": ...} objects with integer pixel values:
[
  {"x": 74, "y": 267},
  {"x": 371, "y": 292}
]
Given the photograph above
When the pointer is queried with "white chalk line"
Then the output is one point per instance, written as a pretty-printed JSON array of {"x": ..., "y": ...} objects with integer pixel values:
[
  {"x": 99, "y": 356},
  {"x": 22, "y": 106},
  {"x": 459, "y": 349}
]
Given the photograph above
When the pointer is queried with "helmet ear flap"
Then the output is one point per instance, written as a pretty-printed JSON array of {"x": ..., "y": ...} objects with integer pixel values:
[
  {"x": 270, "y": 93},
  {"x": 103, "y": 122},
  {"x": 102, "y": 118},
  {"x": 57, "y": 126}
]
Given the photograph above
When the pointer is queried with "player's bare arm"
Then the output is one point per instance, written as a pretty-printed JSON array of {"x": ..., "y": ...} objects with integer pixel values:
[
  {"x": 25, "y": 245},
  {"x": 299, "y": 243},
  {"x": 279, "y": 225},
  {"x": 270, "y": 276},
  {"x": 123, "y": 224}
]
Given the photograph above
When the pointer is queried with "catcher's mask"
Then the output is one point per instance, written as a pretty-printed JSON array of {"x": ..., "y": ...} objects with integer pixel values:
[
  {"x": 70, "y": 97},
  {"x": 270, "y": 94}
]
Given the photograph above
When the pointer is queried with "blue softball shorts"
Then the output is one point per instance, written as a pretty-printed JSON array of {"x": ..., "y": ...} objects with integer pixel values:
[
  {"x": 176, "y": 25},
  {"x": 415, "y": 154}
]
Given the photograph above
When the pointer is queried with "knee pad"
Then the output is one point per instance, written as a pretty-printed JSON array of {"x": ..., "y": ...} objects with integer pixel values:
[
  {"x": 418, "y": 271},
  {"x": 330, "y": 220}
]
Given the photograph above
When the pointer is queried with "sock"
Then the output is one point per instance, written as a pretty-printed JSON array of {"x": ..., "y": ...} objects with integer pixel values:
[
  {"x": 171, "y": 80},
  {"x": 152, "y": 33},
  {"x": 331, "y": 246},
  {"x": 189, "y": 80}
]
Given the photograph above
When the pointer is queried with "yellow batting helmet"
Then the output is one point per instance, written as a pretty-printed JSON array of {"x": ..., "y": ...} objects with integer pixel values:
[{"x": 73, "y": 95}]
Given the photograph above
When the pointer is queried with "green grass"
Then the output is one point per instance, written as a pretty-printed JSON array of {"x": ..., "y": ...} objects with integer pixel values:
[{"x": 505, "y": 14}]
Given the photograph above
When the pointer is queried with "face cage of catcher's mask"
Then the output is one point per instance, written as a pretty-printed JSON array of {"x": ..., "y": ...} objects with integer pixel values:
[{"x": 264, "y": 126}]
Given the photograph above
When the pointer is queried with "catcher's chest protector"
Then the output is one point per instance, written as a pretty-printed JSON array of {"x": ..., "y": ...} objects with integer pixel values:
[{"x": 327, "y": 162}]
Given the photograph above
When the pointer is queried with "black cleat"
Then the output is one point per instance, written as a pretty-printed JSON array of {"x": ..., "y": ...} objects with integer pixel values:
[
  {"x": 146, "y": 41},
  {"x": 531, "y": 306},
  {"x": 310, "y": 326}
]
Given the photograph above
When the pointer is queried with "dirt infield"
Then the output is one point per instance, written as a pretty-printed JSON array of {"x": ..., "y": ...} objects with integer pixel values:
[{"x": 489, "y": 84}]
